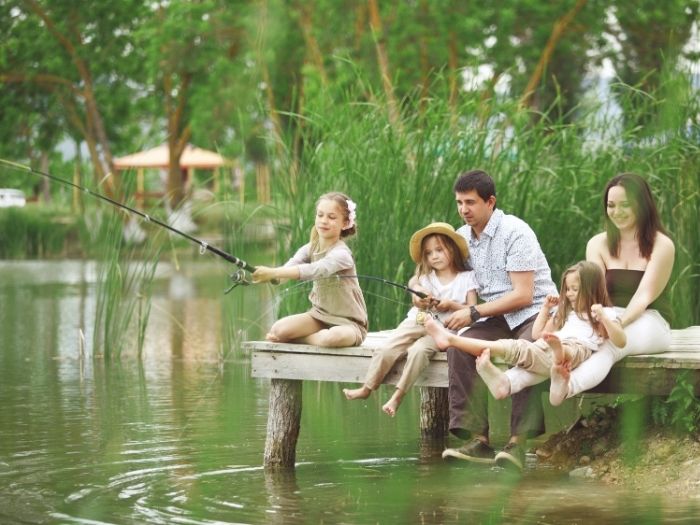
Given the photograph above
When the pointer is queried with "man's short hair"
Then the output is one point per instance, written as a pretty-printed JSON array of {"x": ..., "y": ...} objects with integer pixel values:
[{"x": 477, "y": 180}]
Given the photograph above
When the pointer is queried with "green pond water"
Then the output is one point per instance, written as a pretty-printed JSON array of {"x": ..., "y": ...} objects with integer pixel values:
[{"x": 177, "y": 436}]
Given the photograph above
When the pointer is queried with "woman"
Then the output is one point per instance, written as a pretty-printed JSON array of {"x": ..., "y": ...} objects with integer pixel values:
[{"x": 637, "y": 258}]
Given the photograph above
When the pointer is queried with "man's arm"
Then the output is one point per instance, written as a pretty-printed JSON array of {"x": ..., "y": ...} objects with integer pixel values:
[{"x": 519, "y": 297}]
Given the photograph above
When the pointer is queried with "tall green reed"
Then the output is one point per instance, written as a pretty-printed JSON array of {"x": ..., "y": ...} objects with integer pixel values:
[
  {"x": 549, "y": 173},
  {"x": 124, "y": 283}
]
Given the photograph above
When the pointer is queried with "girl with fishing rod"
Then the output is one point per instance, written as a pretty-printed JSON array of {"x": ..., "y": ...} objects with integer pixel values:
[
  {"x": 443, "y": 275},
  {"x": 338, "y": 315}
]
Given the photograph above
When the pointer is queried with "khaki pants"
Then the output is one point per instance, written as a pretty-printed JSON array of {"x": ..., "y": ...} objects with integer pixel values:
[
  {"x": 537, "y": 357},
  {"x": 409, "y": 341}
]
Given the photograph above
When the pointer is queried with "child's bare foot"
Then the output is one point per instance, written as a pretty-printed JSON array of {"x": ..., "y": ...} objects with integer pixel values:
[
  {"x": 559, "y": 386},
  {"x": 438, "y": 332},
  {"x": 392, "y": 406},
  {"x": 497, "y": 381},
  {"x": 357, "y": 393},
  {"x": 557, "y": 349},
  {"x": 272, "y": 337}
]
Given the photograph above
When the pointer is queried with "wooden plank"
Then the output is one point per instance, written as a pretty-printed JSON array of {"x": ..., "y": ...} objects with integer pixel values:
[
  {"x": 334, "y": 367},
  {"x": 650, "y": 374}
]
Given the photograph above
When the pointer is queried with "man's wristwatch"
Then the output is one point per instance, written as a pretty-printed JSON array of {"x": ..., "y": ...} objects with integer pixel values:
[{"x": 474, "y": 314}]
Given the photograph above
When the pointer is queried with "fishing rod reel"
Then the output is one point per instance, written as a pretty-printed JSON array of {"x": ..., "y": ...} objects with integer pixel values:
[{"x": 238, "y": 278}]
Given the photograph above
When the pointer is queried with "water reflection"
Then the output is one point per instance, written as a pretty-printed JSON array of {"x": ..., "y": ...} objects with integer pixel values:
[{"x": 178, "y": 435}]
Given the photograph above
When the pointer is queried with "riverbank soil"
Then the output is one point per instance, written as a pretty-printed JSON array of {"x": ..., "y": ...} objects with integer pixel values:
[{"x": 610, "y": 446}]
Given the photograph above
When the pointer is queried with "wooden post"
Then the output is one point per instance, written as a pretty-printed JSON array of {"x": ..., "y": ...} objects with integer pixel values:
[
  {"x": 283, "y": 422},
  {"x": 434, "y": 414}
]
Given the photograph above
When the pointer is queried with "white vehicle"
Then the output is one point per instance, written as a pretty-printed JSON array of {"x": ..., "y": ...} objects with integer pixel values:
[{"x": 11, "y": 197}]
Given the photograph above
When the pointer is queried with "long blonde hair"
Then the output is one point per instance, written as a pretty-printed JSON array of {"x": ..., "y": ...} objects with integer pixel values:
[
  {"x": 343, "y": 202},
  {"x": 457, "y": 264},
  {"x": 592, "y": 290}
]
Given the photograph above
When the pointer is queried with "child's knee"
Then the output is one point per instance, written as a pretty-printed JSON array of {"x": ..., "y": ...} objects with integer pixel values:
[
  {"x": 335, "y": 338},
  {"x": 280, "y": 332}
]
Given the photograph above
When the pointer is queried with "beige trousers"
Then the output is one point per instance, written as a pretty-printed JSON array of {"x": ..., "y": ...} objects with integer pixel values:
[
  {"x": 409, "y": 341},
  {"x": 537, "y": 357}
]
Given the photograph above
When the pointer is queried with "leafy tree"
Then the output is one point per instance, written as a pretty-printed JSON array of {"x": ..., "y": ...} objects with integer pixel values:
[
  {"x": 80, "y": 59},
  {"x": 190, "y": 50}
]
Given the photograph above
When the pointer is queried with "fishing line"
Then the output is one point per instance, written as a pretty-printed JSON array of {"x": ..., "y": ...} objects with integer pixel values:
[{"x": 204, "y": 246}]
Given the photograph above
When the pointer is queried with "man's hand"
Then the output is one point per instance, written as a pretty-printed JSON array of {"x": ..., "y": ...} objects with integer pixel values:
[{"x": 458, "y": 319}]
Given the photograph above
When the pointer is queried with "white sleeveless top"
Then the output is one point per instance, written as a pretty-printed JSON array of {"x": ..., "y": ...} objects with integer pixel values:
[
  {"x": 455, "y": 290},
  {"x": 582, "y": 331}
]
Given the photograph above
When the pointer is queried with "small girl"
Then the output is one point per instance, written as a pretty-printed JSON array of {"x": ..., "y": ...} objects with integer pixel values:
[
  {"x": 555, "y": 353},
  {"x": 338, "y": 315},
  {"x": 442, "y": 273}
]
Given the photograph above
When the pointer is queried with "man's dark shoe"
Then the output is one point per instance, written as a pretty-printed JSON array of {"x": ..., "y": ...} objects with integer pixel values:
[
  {"x": 512, "y": 457},
  {"x": 476, "y": 452}
]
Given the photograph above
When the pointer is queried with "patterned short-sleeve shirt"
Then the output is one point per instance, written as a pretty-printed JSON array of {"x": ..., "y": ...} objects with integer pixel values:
[{"x": 508, "y": 244}]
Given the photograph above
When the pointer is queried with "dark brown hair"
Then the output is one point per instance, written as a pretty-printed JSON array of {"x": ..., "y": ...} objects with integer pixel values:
[
  {"x": 642, "y": 203},
  {"x": 477, "y": 180}
]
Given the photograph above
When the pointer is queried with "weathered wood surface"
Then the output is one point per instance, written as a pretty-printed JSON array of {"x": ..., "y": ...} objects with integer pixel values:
[
  {"x": 289, "y": 364},
  {"x": 650, "y": 374}
]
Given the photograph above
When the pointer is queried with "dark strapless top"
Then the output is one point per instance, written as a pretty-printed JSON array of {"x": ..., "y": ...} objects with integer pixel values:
[{"x": 622, "y": 284}]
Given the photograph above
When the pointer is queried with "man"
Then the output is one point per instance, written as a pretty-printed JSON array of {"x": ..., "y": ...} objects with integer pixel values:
[{"x": 514, "y": 279}]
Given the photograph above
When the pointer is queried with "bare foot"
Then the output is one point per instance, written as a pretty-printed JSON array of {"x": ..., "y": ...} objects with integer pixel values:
[
  {"x": 497, "y": 381},
  {"x": 272, "y": 337},
  {"x": 438, "y": 332},
  {"x": 392, "y": 406},
  {"x": 557, "y": 349},
  {"x": 559, "y": 386},
  {"x": 357, "y": 393}
]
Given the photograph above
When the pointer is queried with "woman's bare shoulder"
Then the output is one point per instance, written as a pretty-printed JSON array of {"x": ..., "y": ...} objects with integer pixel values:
[
  {"x": 664, "y": 243},
  {"x": 599, "y": 240}
]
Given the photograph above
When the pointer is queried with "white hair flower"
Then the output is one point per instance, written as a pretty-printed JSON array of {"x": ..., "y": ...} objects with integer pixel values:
[{"x": 351, "y": 213}]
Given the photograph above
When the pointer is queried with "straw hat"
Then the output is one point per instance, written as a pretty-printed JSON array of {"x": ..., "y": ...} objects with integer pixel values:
[{"x": 414, "y": 246}]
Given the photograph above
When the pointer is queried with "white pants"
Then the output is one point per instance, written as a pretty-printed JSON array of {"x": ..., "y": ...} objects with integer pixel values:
[{"x": 649, "y": 334}]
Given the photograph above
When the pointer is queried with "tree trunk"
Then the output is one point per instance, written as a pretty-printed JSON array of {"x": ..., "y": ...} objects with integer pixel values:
[
  {"x": 179, "y": 134},
  {"x": 94, "y": 117},
  {"x": 312, "y": 48},
  {"x": 283, "y": 423},
  {"x": 375, "y": 23},
  {"x": 558, "y": 30},
  {"x": 452, "y": 63}
]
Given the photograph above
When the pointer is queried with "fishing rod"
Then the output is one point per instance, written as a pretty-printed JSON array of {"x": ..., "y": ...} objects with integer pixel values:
[
  {"x": 238, "y": 277},
  {"x": 421, "y": 295}
]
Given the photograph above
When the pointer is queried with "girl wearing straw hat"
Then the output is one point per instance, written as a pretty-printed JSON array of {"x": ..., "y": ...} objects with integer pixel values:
[{"x": 440, "y": 254}]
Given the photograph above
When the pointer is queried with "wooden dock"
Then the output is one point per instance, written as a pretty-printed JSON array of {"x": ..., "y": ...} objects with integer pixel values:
[{"x": 287, "y": 365}]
